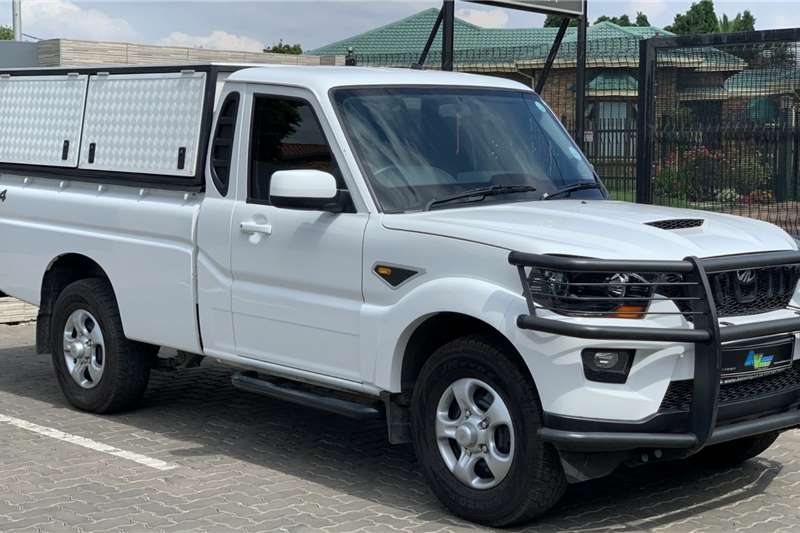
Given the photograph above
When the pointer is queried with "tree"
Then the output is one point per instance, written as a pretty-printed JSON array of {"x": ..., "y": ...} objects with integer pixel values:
[
  {"x": 554, "y": 21},
  {"x": 281, "y": 48},
  {"x": 6, "y": 33},
  {"x": 624, "y": 20},
  {"x": 699, "y": 18},
  {"x": 744, "y": 21}
]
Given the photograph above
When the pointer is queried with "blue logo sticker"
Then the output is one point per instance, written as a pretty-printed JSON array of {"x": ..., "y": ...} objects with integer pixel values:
[{"x": 758, "y": 361}]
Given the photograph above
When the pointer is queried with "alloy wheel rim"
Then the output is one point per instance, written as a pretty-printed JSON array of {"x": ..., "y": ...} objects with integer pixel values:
[
  {"x": 84, "y": 349},
  {"x": 475, "y": 433}
]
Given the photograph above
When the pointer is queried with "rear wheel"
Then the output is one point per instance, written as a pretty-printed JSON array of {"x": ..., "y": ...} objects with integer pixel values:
[
  {"x": 735, "y": 452},
  {"x": 475, "y": 419},
  {"x": 98, "y": 369}
]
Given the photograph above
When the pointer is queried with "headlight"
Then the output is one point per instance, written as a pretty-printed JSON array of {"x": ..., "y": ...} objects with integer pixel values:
[{"x": 600, "y": 294}]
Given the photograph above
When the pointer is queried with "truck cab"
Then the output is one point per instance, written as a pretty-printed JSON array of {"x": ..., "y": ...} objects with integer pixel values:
[{"x": 430, "y": 248}]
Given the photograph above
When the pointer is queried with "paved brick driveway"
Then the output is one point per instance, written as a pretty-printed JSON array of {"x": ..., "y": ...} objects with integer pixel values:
[{"x": 252, "y": 464}]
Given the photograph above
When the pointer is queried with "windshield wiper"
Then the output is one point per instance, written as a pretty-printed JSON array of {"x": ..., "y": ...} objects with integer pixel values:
[
  {"x": 571, "y": 188},
  {"x": 480, "y": 194}
]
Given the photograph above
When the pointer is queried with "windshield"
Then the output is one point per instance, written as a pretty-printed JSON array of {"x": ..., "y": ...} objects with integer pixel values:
[{"x": 419, "y": 146}]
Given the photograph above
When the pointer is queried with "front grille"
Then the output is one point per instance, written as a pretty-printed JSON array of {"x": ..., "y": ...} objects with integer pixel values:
[
  {"x": 754, "y": 291},
  {"x": 678, "y": 223},
  {"x": 679, "y": 393}
]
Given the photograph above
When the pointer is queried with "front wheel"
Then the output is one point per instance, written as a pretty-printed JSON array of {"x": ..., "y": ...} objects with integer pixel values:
[
  {"x": 475, "y": 421},
  {"x": 98, "y": 369}
]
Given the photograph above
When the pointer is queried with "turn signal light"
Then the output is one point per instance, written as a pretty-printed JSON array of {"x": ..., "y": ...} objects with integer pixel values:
[{"x": 629, "y": 311}]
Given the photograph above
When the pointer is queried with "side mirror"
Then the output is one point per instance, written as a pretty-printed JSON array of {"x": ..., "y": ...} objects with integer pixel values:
[{"x": 303, "y": 189}]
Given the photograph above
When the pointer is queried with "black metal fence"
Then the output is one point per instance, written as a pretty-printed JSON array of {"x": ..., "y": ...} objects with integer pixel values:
[
  {"x": 720, "y": 129},
  {"x": 707, "y": 122}
]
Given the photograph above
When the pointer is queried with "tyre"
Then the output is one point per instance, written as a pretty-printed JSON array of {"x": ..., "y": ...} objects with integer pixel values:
[
  {"x": 735, "y": 452},
  {"x": 98, "y": 369},
  {"x": 475, "y": 422}
]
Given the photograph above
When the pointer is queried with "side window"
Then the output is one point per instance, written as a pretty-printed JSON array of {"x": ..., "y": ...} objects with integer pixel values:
[
  {"x": 286, "y": 135},
  {"x": 222, "y": 148}
]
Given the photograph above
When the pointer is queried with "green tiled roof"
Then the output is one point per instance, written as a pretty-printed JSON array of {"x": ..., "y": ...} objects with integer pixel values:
[
  {"x": 409, "y": 35},
  {"x": 764, "y": 81},
  {"x": 613, "y": 82}
]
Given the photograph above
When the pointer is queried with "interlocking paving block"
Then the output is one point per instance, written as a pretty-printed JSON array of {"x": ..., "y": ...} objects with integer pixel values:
[{"x": 250, "y": 463}]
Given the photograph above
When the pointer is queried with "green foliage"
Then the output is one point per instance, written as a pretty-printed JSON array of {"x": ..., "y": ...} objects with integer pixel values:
[
  {"x": 282, "y": 48},
  {"x": 700, "y": 18},
  {"x": 701, "y": 175},
  {"x": 625, "y": 20},
  {"x": 622, "y": 20},
  {"x": 554, "y": 21},
  {"x": 6, "y": 33},
  {"x": 744, "y": 21}
]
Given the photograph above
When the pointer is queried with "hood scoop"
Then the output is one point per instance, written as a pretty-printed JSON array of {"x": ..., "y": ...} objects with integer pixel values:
[{"x": 677, "y": 223}]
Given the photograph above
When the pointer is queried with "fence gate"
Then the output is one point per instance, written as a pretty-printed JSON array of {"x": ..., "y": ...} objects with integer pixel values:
[{"x": 719, "y": 124}]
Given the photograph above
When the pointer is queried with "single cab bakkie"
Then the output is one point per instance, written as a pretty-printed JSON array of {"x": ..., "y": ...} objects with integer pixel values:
[{"x": 427, "y": 247}]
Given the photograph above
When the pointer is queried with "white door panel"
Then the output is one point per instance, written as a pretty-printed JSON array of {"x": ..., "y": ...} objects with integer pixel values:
[
  {"x": 297, "y": 289},
  {"x": 296, "y": 296}
]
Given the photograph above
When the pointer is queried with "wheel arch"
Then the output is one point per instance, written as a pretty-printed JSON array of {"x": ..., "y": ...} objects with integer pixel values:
[
  {"x": 427, "y": 334},
  {"x": 63, "y": 270}
]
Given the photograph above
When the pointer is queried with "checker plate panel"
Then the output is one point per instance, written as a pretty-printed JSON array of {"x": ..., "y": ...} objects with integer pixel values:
[
  {"x": 139, "y": 122},
  {"x": 39, "y": 113}
]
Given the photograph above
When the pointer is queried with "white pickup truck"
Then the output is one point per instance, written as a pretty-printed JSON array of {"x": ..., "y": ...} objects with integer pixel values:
[{"x": 431, "y": 248}]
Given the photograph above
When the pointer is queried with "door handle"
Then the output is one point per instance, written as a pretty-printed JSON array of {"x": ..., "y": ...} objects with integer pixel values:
[
  {"x": 256, "y": 227},
  {"x": 256, "y": 230}
]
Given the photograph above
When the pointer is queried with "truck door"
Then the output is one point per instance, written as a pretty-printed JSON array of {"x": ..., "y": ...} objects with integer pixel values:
[{"x": 296, "y": 294}]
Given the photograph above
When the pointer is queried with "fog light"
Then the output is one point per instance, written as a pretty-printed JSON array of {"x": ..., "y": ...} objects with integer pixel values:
[
  {"x": 607, "y": 366},
  {"x": 605, "y": 360}
]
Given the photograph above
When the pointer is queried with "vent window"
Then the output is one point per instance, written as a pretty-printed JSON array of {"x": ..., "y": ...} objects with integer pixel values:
[{"x": 222, "y": 149}]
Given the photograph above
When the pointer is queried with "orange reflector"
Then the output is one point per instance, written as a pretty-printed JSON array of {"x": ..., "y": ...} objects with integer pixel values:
[
  {"x": 384, "y": 271},
  {"x": 629, "y": 311}
]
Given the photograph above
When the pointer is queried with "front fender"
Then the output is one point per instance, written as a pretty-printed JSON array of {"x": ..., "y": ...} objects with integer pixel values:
[{"x": 387, "y": 329}]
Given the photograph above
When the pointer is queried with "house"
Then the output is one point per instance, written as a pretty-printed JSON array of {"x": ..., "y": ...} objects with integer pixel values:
[
  {"x": 519, "y": 53},
  {"x": 692, "y": 80}
]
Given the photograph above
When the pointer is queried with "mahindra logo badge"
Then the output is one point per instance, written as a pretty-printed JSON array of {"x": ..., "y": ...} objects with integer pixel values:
[{"x": 746, "y": 277}]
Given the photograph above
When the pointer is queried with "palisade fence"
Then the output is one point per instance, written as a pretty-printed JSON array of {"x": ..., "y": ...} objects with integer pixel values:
[
  {"x": 720, "y": 114},
  {"x": 722, "y": 128}
]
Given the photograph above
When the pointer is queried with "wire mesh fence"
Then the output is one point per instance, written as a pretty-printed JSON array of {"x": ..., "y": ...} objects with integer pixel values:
[
  {"x": 725, "y": 114},
  {"x": 726, "y": 133}
]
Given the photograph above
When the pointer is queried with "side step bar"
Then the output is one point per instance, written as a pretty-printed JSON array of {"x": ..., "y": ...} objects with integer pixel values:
[{"x": 289, "y": 391}]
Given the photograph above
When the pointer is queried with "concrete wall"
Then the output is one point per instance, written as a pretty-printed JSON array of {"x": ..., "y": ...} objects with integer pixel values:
[
  {"x": 67, "y": 52},
  {"x": 18, "y": 55}
]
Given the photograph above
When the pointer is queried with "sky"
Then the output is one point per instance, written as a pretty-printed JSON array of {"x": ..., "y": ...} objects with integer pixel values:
[{"x": 248, "y": 25}]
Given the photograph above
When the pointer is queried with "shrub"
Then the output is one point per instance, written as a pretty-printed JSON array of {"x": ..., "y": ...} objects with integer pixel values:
[{"x": 702, "y": 175}]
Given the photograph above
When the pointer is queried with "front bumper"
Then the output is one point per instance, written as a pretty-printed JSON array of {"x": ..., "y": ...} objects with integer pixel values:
[{"x": 706, "y": 422}]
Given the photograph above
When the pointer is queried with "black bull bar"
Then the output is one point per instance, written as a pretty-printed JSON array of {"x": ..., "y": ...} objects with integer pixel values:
[{"x": 707, "y": 336}]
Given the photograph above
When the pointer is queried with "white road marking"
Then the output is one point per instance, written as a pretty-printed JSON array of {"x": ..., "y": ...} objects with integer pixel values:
[{"x": 87, "y": 443}]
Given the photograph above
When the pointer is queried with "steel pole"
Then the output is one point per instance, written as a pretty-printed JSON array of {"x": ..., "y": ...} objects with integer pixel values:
[
  {"x": 580, "y": 79},
  {"x": 16, "y": 14},
  {"x": 448, "y": 22}
]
